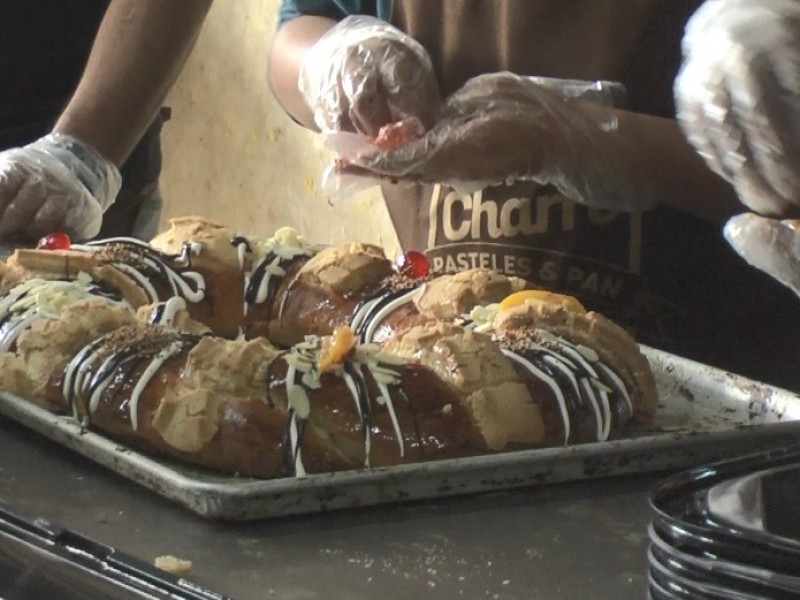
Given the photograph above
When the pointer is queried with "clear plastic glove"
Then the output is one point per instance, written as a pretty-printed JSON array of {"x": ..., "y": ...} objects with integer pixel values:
[
  {"x": 770, "y": 245},
  {"x": 502, "y": 126},
  {"x": 364, "y": 73},
  {"x": 57, "y": 183},
  {"x": 738, "y": 97}
]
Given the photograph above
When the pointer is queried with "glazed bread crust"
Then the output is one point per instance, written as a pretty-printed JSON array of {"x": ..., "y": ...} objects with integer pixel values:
[{"x": 275, "y": 357}]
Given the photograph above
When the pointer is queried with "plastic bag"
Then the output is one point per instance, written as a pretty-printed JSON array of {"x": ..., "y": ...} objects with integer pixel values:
[{"x": 349, "y": 175}]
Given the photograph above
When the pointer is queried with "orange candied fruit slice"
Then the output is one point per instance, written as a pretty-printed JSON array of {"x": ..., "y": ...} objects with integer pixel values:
[
  {"x": 335, "y": 348},
  {"x": 532, "y": 296}
]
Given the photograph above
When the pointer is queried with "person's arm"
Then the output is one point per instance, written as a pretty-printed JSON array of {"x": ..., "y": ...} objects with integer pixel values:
[
  {"x": 289, "y": 48},
  {"x": 666, "y": 164},
  {"x": 737, "y": 102},
  {"x": 139, "y": 51},
  {"x": 66, "y": 180},
  {"x": 660, "y": 167}
]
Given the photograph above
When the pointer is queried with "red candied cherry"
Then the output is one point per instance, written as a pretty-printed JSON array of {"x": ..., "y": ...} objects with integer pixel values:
[
  {"x": 58, "y": 240},
  {"x": 413, "y": 264}
]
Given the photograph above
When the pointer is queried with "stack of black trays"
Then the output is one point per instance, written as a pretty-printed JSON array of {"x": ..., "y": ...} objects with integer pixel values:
[{"x": 728, "y": 531}]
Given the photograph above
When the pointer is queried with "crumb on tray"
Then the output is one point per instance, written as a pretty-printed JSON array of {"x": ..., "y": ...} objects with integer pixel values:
[{"x": 172, "y": 564}]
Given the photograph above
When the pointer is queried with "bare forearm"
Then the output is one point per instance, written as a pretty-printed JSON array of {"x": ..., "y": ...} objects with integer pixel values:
[
  {"x": 138, "y": 53},
  {"x": 289, "y": 47},
  {"x": 666, "y": 165}
]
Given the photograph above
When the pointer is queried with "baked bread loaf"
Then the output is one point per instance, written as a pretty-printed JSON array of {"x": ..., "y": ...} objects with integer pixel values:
[
  {"x": 205, "y": 275},
  {"x": 43, "y": 324},
  {"x": 281, "y": 287},
  {"x": 275, "y": 357},
  {"x": 437, "y": 391}
]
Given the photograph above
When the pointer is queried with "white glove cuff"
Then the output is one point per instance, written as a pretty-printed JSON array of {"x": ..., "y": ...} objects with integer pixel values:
[{"x": 98, "y": 175}]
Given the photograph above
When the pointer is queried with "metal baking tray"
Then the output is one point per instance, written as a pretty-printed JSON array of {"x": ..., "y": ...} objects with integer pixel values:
[
  {"x": 40, "y": 559},
  {"x": 704, "y": 415}
]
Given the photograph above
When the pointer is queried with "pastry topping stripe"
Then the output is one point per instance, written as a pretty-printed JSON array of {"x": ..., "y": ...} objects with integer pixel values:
[{"x": 550, "y": 382}]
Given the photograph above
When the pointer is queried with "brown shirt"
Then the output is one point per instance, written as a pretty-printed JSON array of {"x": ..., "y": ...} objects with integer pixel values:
[{"x": 667, "y": 275}]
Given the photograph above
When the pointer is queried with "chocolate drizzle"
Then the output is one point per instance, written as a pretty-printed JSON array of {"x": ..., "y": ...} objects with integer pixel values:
[
  {"x": 581, "y": 384},
  {"x": 101, "y": 369},
  {"x": 144, "y": 264},
  {"x": 356, "y": 382},
  {"x": 240, "y": 240},
  {"x": 267, "y": 273},
  {"x": 263, "y": 279},
  {"x": 368, "y": 314},
  {"x": 357, "y": 374},
  {"x": 292, "y": 444}
]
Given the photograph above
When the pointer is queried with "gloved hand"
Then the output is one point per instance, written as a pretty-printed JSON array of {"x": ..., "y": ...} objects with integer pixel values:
[
  {"x": 738, "y": 97},
  {"x": 57, "y": 183},
  {"x": 502, "y": 126},
  {"x": 770, "y": 245},
  {"x": 363, "y": 74}
]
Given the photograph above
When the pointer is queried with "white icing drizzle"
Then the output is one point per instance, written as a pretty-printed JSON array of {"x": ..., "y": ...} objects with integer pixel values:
[
  {"x": 241, "y": 250},
  {"x": 270, "y": 257},
  {"x": 184, "y": 258},
  {"x": 242, "y": 245},
  {"x": 570, "y": 351},
  {"x": 18, "y": 326},
  {"x": 622, "y": 390},
  {"x": 351, "y": 385},
  {"x": 179, "y": 282},
  {"x": 554, "y": 362},
  {"x": 164, "y": 313},
  {"x": 190, "y": 284},
  {"x": 302, "y": 358},
  {"x": 246, "y": 307},
  {"x": 188, "y": 249},
  {"x": 588, "y": 353},
  {"x": 584, "y": 388},
  {"x": 596, "y": 409},
  {"x": 363, "y": 313},
  {"x": 348, "y": 380},
  {"x": 550, "y": 382},
  {"x": 296, "y": 396},
  {"x": 299, "y": 406},
  {"x": 607, "y": 411},
  {"x": 39, "y": 298},
  {"x": 97, "y": 393},
  {"x": 192, "y": 295},
  {"x": 77, "y": 370},
  {"x": 584, "y": 370},
  {"x": 149, "y": 371},
  {"x": 582, "y": 354},
  {"x": 79, "y": 374},
  {"x": 297, "y": 453},
  {"x": 273, "y": 269},
  {"x": 386, "y": 399},
  {"x": 141, "y": 280}
]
